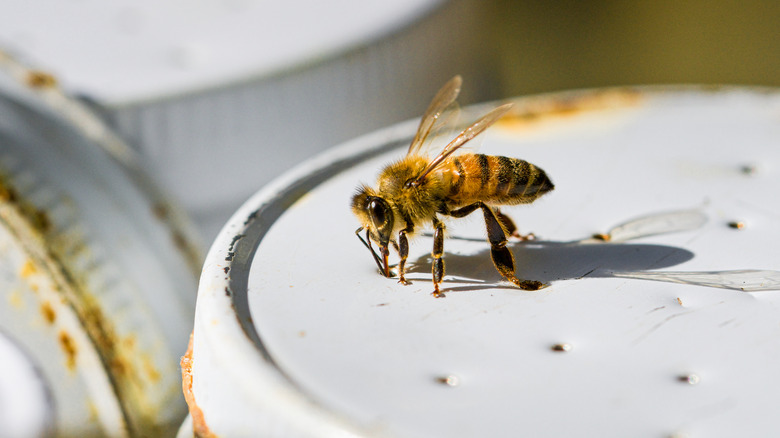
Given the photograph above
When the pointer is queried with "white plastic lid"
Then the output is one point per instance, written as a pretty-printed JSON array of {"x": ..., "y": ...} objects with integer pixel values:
[
  {"x": 119, "y": 52},
  {"x": 25, "y": 403},
  {"x": 96, "y": 273},
  {"x": 668, "y": 328}
]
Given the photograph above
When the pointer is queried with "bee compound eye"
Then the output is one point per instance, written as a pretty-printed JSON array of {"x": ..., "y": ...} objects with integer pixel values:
[{"x": 378, "y": 212}]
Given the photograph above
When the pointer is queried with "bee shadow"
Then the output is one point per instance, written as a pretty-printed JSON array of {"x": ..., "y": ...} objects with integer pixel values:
[{"x": 549, "y": 261}]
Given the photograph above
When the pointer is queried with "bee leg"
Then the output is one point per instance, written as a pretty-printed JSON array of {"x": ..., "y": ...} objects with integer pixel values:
[
  {"x": 502, "y": 257},
  {"x": 511, "y": 228},
  {"x": 403, "y": 252},
  {"x": 507, "y": 223},
  {"x": 437, "y": 267}
]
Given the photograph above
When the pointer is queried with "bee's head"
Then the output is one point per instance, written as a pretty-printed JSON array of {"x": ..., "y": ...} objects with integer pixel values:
[{"x": 376, "y": 216}]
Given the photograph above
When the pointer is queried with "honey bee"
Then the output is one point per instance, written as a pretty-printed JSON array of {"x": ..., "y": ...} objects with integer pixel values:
[{"x": 418, "y": 190}]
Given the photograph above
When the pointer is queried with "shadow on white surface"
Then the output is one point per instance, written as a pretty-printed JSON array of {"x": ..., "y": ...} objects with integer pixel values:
[
  {"x": 549, "y": 262},
  {"x": 604, "y": 256}
]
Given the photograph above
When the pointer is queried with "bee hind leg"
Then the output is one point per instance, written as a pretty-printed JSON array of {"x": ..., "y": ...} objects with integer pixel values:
[
  {"x": 502, "y": 257},
  {"x": 511, "y": 228}
]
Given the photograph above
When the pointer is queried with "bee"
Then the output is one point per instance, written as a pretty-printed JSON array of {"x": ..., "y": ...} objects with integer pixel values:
[{"x": 418, "y": 190}]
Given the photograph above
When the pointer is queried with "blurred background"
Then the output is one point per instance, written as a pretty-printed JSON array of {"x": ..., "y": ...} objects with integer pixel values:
[
  {"x": 199, "y": 104},
  {"x": 575, "y": 44},
  {"x": 221, "y": 96}
]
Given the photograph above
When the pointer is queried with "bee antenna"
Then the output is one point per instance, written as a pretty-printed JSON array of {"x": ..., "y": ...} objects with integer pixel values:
[{"x": 367, "y": 243}]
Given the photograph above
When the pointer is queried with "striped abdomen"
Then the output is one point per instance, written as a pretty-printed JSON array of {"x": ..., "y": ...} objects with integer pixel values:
[{"x": 495, "y": 180}]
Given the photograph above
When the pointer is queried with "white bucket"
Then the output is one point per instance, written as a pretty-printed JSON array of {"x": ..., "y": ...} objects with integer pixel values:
[{"x": 663, "y": 324}]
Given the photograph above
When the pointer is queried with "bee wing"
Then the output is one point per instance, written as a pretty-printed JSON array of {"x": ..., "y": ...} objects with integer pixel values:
[
  {"x": 443, "y": 99},
  {"x": 442, "y": 131},
  {"x": 467, "y": 134}
]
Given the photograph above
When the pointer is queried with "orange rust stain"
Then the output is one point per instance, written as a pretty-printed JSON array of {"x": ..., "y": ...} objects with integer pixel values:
[
  {"x": 15, "y": 299},
  {"x": 28, "y": 269},
  {"x": 40, "y": 79},
  {"x": 69, "y": 347},
  {"x": 151, "y": 371},
  {"x": 38, "y": 219},
  {"x": 94, "y": 414},
  {"x": 117, "y": 352},
  {"x": 119, "y": 367},
  {"x": 102, "y": 333},
  {"x": 160, "y": 211},
  {"x": 6, "y": 194},
  {"x": 541, "y": 109},
  {"x": 129, "y": 342},
  {"x": 49, "y": 315},
  {"x": 199, "y": 427}
]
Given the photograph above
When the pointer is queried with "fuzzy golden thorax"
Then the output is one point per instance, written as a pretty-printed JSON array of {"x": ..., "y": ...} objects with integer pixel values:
[
  {"x": 413, "y": 203},
  {"x": 409, "y": 204}
]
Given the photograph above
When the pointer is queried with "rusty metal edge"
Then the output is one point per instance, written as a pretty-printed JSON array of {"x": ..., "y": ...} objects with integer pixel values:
[{"x": 46, "y": 88}]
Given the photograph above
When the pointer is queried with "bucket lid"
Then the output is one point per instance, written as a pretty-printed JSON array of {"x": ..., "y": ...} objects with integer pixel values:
[
  {"x": 174, "y": 49},
  {"x": 96, "y": 268},
  {"x": 658, "y": 245}
]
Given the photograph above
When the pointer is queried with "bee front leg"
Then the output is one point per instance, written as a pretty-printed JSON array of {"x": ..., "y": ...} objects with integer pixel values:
[
  {"x": 437, "y": 267},
  {"x": 502, "y": 257}
]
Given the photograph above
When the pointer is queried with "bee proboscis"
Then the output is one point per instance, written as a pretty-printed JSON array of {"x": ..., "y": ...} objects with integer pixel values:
[{"x": 419, "y": 189}]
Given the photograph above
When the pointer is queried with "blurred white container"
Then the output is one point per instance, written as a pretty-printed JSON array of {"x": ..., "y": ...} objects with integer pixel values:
[
  {"x": 25, "y": 401},
  {"x": 297, "y": 335},
  {"x": 193, "y": 86},
  {"x": 97, "y": 274}
]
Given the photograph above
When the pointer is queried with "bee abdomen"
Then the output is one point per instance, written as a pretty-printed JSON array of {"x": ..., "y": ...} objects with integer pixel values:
[{"x": 497, "y": 179}]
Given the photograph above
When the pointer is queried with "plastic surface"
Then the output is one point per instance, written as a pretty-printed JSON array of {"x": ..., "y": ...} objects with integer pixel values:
[
  {"x": 208, "y": 91},
  {"x": 27, "y": 409},
  {"x": 645, "y": 329},
  {"x": 96, "y": 271},
  {"x": 173, "y": 47}
]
